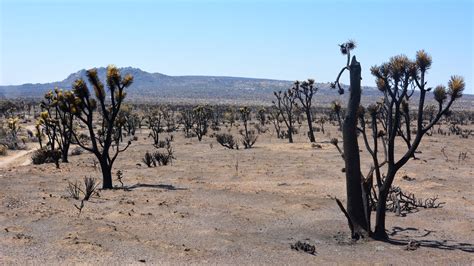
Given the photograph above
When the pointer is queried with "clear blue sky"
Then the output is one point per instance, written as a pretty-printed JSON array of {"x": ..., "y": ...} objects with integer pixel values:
[{"x": 44, "y": 41}]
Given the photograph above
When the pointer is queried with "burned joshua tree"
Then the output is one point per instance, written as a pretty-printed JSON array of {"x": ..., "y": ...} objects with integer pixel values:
[
  {"x": 248, "y": 135},
  {"x": 286, "y": 106},
  {"x": 155, "y": 123},
  {"x": 396, "y": 80},
  {"x": 104, "y": 140},
  {"x": 304, "y": 91},
  {"x": 201, "y": 117},
  {"x": 56, "y": 121}
]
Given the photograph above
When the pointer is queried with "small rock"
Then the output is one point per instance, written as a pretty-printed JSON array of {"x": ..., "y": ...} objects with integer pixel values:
[{"x": 300, "y": 246}]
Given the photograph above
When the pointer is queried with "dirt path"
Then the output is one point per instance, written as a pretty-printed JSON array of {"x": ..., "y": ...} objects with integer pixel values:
[{"x": 17, "y": 158}]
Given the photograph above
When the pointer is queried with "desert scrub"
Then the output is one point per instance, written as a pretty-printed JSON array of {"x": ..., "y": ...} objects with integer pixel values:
[
  {"x": 3, "y": 150},
  {"x": 42, "y": 156},
  {"x": 227, "y": 140},
  {"x": 149, "y": 160}
]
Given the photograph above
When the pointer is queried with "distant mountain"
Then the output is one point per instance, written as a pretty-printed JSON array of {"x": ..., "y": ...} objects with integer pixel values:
[{"x": 157, "y": 87}]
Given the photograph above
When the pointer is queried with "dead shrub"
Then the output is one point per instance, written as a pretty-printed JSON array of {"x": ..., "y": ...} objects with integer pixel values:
[{"x": 227, "y": 140}]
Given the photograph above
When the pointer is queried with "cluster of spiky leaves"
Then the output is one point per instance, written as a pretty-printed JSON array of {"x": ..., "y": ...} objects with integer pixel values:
[
  {"x": 115, "y": 84},
  {"x": 245, "y": 113},
  {"x": 336, "y": 106},
  {"x": 401, "y": 70},
  {"x": 13, "y": 123},
  {"x": 202, "y": 111},
  {"x": 347, "y": 46}
]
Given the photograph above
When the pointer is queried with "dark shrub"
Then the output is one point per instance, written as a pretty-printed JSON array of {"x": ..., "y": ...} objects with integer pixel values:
[{"x": 226, "y": 140}]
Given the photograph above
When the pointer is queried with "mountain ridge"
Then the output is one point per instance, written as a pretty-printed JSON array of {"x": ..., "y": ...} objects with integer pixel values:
[{"x": 159, "y": 87}]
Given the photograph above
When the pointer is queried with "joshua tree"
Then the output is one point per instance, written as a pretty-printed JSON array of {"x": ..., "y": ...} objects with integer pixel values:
[
  {"x": 169, "y": 118},
  {"x": 248, "y": 136},
  {"x": 356, "y": 213},
  {"x": 57, "y": 121},
  {"x": 216, "y": 116},
  {"x": 155, "y": 125},
  {"x": 286, "y": 105},
  {"x": 304, "y": 91},
  {"x": 130, "y": 119},
  {"x": 322, "y": 121},
  {"x": 229, "y": 116},
  {"x": 261, "y": 116},
  {"x": 39, "y": 133},
  {"x": 396, "y": 80},
  {"x": 12, "y": 127},
  {"x": 336, "y": 108},
  {"x": 104, "y": 142},
  {"x": 201, "y": 116},
  {"x": 186, "y": 119},
  {"x": 275, "y": 117}
]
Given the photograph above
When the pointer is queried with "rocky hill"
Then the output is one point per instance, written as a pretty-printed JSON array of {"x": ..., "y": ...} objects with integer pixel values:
[{"x": 157, "y": 87}]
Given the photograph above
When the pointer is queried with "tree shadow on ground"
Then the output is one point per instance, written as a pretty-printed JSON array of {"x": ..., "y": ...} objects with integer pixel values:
[
  {"x": 404, "y": 236},
  {"x": 159, "y": 186}
]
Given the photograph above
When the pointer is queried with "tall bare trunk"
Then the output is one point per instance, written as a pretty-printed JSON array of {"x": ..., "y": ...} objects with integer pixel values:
[{"x": 355, "y": 203}]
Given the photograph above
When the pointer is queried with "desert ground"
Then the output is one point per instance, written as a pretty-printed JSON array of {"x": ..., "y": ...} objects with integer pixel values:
[{"x": 219, "y": 206}]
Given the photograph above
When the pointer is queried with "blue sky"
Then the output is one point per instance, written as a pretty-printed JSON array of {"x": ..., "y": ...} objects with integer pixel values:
[{"x": 43, "y": 41}]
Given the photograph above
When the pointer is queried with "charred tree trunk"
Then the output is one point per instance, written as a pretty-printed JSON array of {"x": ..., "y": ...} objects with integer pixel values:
[
  {"x": 310, "y": 125},
  {"x": 379, "y": 232},
  {"x": 106, "y": 174},
  {"x": 64, "y": 152},
  {"x": 355, "y": 203},
  {"x": 290, "y": 134}
]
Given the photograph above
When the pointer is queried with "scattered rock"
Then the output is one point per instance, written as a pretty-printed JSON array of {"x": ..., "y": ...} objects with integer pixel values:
[
  {"x": 407, "y": 178},
  {"x": 22, "y": 236},
  {"x": 300, "y": 246}
]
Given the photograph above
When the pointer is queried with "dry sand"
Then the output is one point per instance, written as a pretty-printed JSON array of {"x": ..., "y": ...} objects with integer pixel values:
[{"x": 219, "y": 206}]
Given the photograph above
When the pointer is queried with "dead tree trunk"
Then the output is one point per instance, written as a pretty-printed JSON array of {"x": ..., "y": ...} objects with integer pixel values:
[{"x": 355, "y": 204}]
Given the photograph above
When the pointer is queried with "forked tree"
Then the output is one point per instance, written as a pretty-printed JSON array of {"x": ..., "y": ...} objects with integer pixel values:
[
  {"x": 156, "y": 125},
  {"x": 186, "y": 119},
  {"x": 304, "y": 92},
  {"x": 201, "y": 117},
  {"x": 286, "y": 106},
  {"x": 262, "y": 116},
  {"x": 104, "y": 140},
  {"x": 56, "y": 121},
  {"x": 274, "y": 116},
  {"x": 229, "y": 116},
  {"x": 396, "y": 79},
  {"x": 248, "y": 135},
  {"x": 336, "y": 108}
]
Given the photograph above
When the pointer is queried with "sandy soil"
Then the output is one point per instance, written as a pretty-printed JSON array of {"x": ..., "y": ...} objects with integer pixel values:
[{"x": 221, "y": 206}]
